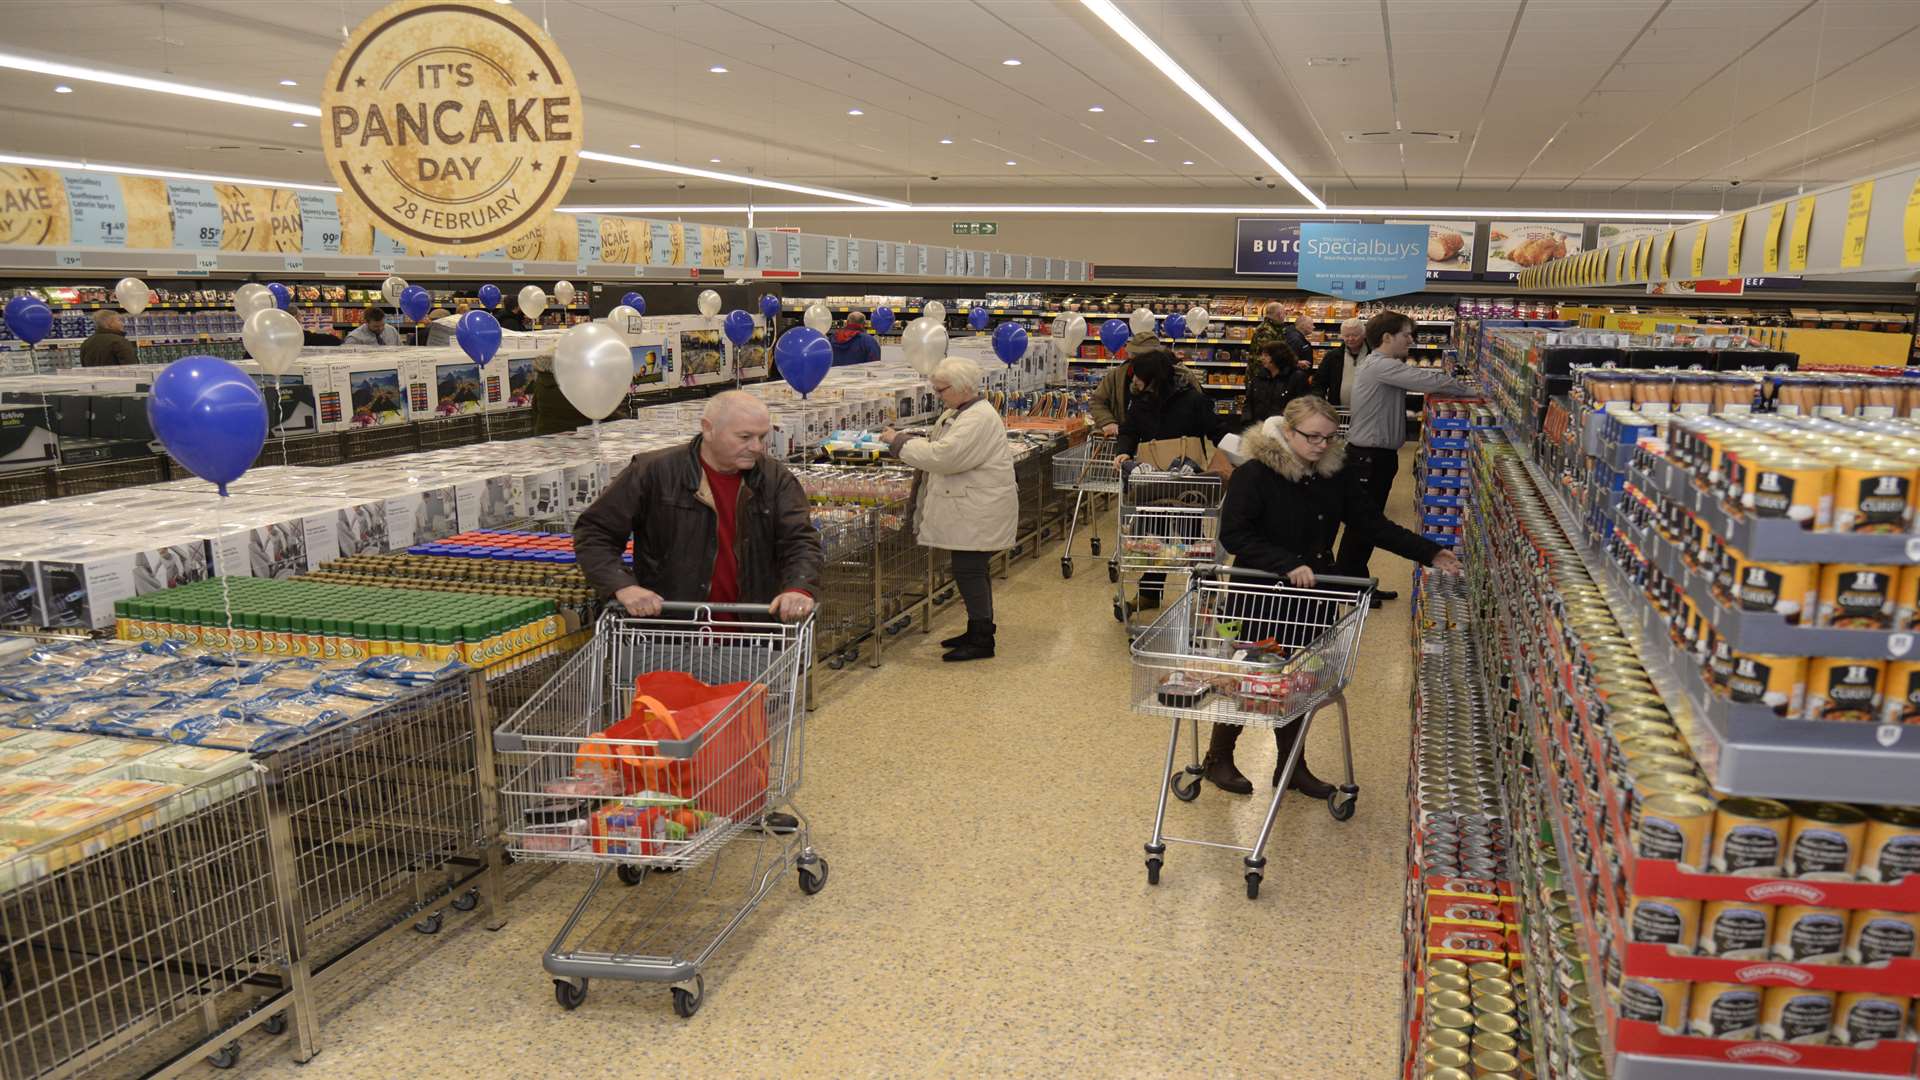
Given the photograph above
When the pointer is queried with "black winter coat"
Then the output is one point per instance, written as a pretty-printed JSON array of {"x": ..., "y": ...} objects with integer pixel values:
[
  {"x": 1326, "y": 377},
  {"x": 1268, "y": 395},
  {"x": 1280, "y": 512},
  {"x": 1186, "y": 412}
]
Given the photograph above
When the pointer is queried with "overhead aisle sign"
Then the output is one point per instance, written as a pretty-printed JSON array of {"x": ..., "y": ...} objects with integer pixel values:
[{"x": 1362, "y": 262}]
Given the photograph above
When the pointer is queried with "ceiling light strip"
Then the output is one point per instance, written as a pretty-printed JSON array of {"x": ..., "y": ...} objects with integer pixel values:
[
  {"x": 1523, "y": 213},
  {"x": 167, "y": 174},
  {"x": 734, "y": 178},
  {"x": 157, "y": 86},
  {"x": 1107, "y": 13}
]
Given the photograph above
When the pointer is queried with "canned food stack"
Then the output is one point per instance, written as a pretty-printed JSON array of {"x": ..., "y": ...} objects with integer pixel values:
[
  {"x": 1472, "y": 1025},
  {"x": 1441, "y": 470},
  {"x": 1718, "y": 920}
]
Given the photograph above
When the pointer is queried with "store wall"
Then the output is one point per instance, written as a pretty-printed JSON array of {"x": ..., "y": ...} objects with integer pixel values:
[{"x": 1103, "y": 239}]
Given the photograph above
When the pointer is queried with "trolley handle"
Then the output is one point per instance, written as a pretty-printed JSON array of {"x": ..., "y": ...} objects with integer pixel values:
[
  {"x": 696, "y": 607},
  {"x": 1356, "y": 584}
]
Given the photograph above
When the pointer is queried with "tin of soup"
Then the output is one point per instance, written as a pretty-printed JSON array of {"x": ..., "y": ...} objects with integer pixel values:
[
  {"x": 1872, "y": 495},
  {"x": 1676, "y": 828},
  {"x": 1892, "y": 847},
  {"x": 1721, "y": 1010},
  {"x": 1900, "y": 693},
  {"x": 1661, "y": 920},
  {"x": 1790, "y": 590},
  {"x": 1873, "y": 936},
  {"x": 1863, "y": 1017},
  {"x": 1803, "y": 934},
  {"x": 1656, "y": 1001},
  {"x": 1842, "y": 689},
  {"x": 1799, "y": 489},
  {"x": 1749, "y": 837},
  {"x": 1854, "y": 596},
  {"x": 1796, "y": 1014},
  {"x": 1825, "y": 841},
  {"x": 1736, "y": 929},
  {"x": 1778, "y": 682}
]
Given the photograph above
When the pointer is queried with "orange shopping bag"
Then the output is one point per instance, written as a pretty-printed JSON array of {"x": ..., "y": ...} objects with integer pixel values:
[{"x": 726, "y": 775}]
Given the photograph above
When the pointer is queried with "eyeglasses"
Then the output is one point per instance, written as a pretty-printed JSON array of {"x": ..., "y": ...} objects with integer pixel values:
[{"x": 1317, "y": 440}]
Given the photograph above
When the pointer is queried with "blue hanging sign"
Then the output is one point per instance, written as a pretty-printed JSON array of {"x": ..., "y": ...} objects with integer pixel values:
[
  {"x": 1362, "y": 262},
  {"x": 1266, "y": 246}
]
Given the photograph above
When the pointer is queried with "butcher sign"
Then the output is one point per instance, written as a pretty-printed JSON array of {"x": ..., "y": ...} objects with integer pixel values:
[{"x": 456, "y": 125}]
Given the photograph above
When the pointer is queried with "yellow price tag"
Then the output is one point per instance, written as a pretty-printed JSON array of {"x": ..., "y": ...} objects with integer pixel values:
[
  {"x": 1853, "y": 243},
  {"x": 1912, "y": 223},
  {"x": 1770, "y": 258},
  {"x": 1733, "y": 244},
  {"x": 1802, "y": 234},
  {"x": 1666, "y": 253},
  {"x": 1699, "y": 251}
]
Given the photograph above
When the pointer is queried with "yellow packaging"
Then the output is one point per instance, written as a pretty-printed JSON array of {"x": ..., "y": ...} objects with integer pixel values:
[
  {"x": 1799, "y": 489},
  {"x": 1873, "y": 936},
  {"x": 1661, "y": 920},
  {"x": 1863, "y": 1017},
  {"x": 1721, "y": 1010},
  {"x": 1891, "y": 850},
  {"x": 1656, "y": 1001},
  {"x": 1803, "y": 934},
  {"x": 1824, "y": 841},
  {"x": 1790, "y": 590},
  {"x": 1843, "y": 689},
  {"x": 1736, "y": 929},
  {"x": 1855, "y": 596},
  {"x": 1872, "y": 495},
  {"x": 1778, "y": 682},
  {"x": 1676, "y": 828},
  {"x": 1900, "y": 692},
  {"x": 1749, "y": 837},
  {"x": 1796, "y": 1014}
]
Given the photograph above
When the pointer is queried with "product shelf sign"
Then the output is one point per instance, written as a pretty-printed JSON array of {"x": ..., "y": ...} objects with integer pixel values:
[{"x": 1362, "y": 262}]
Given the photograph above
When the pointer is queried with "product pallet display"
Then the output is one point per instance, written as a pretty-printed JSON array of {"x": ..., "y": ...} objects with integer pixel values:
[
  {"x": 1679, "y": 956},
  {"x": 1441, "y": 470}
]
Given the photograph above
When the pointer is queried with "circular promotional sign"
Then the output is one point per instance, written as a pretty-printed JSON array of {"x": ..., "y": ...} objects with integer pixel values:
[{"x": 456, "y": 125}]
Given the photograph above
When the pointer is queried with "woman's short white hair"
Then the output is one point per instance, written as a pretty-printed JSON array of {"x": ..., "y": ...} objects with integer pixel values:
[{"x": 959, "y": 373}]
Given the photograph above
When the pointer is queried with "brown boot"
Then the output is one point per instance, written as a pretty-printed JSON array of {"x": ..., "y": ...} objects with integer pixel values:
[
  {"x": 1303, "y": 780},
  {"x": 1219, "y": 761}
]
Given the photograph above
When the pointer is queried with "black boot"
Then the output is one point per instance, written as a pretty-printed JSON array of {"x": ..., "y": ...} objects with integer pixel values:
[
  {"x": 975, "y": 644},
  {"x": 960, "y": 638},
  {"x": 1303, "y": 780},
  {"x": 1219, "y": 761}
]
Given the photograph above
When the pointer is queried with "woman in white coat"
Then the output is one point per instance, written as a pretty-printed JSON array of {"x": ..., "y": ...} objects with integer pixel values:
[{"x": 966, "y": 502}]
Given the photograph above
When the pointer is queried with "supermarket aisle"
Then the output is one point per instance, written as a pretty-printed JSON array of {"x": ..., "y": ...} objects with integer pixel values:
[{"x": 988, "y": 910}]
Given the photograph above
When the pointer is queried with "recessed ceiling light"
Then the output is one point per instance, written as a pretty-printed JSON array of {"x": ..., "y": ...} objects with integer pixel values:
[
  {"x": 946, "y": 142},
  {"x": 1096, "y": 108},
  {"x": 713, "y": 161},
  {"x": 1013, "y": 163},
  {"x": 288, "y": 82},
  {"x": 63, "y": 88},
  {"x": 1186, "y": 163},
  {"x": 633, "y": 146},
  {"x": 717, "y": 70},
  {"x": 1149, "y": 140},
  {"x": 1010, "y": 61},
  {"x": 299, "y": 123},
  {"x": 855, "y": 112}
]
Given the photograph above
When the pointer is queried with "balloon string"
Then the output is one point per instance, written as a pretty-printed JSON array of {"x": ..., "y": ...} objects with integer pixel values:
[{"x": 278, "y": 404}]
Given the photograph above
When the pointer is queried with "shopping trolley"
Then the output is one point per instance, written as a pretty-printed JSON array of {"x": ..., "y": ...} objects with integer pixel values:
[
  {"x": 1088, "y": 471},
  {"x": 1169, "y": 523},
  {"x": 1344, "y": 419},
  {"x": 689, "y": 822},
  {"x": 1245, "y": 647}
]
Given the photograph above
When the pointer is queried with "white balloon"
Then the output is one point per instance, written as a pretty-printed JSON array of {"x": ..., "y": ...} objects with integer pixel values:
[
  {"x": 1141, "y": 321},
  {"x": 252, "y": 297},
  {"x": 709, "y": 303},
  {"x": 1197, "y": 320},
  {"x": 935, "y": 310},
  {"x": 594, "y": 368},
  {"x": 1076, "y": 333},
  {"x": 625, "y": 321},
  {"x": 818, "y": 317},
  {"x": 274, "y": 339},
  {"x": 393, "y": 287},
  {"x": 925, "y": 343},
  {"x": 133, "y": 294},
  {"x": 563, "y": 292},
  {"x": 533, "y": 301}
]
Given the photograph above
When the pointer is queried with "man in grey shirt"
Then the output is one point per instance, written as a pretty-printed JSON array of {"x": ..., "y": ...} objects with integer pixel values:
[
  {"x": 1379, "y": 426},
  {"x": 373, "y": 330}
]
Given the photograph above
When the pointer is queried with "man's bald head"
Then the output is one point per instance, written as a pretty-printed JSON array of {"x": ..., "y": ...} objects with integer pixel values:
[
  {"x": 1274, "y": 311},
  {"x": 733, "y": 431}
]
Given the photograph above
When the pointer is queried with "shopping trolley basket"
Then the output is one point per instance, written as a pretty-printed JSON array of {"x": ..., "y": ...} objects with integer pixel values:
[
  {"x": 1169, "y": 523},
  {"x": 1343, "y": 418},
  {"x": 1088, "y": 471},
  {"x": 1245, "y": 647},
  {"x": 700, "y": 803}
]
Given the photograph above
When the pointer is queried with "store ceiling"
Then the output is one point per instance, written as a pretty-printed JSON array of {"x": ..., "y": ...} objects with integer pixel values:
[{"x": 1626, "y": 104}]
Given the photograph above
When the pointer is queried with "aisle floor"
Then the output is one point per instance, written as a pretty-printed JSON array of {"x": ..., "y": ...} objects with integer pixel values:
[{"x": 987, "y": 911}]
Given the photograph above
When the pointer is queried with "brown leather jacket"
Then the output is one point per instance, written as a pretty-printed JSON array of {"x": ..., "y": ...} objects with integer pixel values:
[{"x": 662, "y": 501}]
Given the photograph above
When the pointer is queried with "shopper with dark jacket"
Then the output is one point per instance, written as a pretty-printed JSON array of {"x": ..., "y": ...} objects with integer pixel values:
[
  {"x": 1282, "y": 511},
  {"x": 1333, "y": 379},
  {"x": 716, "y": 520},
  {"x": 107, "y": 345},
  {"x": 1162, "y": 406},
  {"x": 853, "y": 345},
  {"x": 553, "y": 414},
  {"x": 1277, "y": 379},
  {"x": 1109, "y": 402}
]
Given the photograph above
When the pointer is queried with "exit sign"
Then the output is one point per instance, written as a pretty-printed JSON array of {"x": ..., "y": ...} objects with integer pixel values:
[{"x": 975, "y": 228}]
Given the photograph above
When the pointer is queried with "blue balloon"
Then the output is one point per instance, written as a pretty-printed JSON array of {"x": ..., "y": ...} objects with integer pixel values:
[
  {"x": 1175, "y": 326},
  {"x": 478, "y": 333},
  {"x": 883, "y": 320},
  {"x": 210, "y": 416},
  {"x": 1009, "y": 342},
  {"x": 415, "y": 302},
  {"x": 282, "y": 296},
  {"x": 739, "y": 327},
  {"x": 978, "y": 318},
  {"x": 770, "y": 308},
  {"x": 29, "y": 318},
  {"x": 804, "y": 355},
  {"x": 490, "y": 295},
  {"x": 1114, "y": 334},
  {"x": 635, "y": 301}
]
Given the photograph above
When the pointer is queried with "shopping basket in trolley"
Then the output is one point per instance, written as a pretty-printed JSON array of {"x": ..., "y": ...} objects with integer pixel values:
[
  {"x": 688, "y": 815},
  {"x": 1169, "y": 523},
  {"x": 1088, "y": 471},
  {"x": 1246, "y": 647}
]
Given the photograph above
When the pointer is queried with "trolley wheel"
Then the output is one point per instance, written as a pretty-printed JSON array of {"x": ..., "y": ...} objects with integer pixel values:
[
  {"x": 685, "y": 1002},
  {"x": 1094, "y": 544},
  {"x": 1153, "y": 871},
  {"x": 1342, "y": 802},
  {"x": 1120, "y": 612},
  {"x": 467, "y": 901},
  {"x": 1253, "y": 885},
  {"x": 835, "y": 663},
  {"x": 1066, "y": 566},
  {"x": 1187, "y": 791},
  {"x": 225, "y": 1057},
  {"x": 630, "y": 875},
  {"x": 275, "y": 1024},
  {"x": 569, "y": 994},
  {"x": 1113, "y": 571},
  {"x": 811, "y": 883},
  {"x": 430, "y": 924}
]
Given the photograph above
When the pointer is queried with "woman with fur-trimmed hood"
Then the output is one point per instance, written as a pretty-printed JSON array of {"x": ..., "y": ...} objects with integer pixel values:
[{"x": 1282, "y": 512}]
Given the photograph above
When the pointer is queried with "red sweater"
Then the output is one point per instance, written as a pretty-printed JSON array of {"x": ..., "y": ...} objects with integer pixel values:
[{"x": 725, "y": 587}]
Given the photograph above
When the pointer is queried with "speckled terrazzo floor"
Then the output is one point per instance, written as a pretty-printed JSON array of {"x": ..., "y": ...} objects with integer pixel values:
[{"x": 987, "y": 911}]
